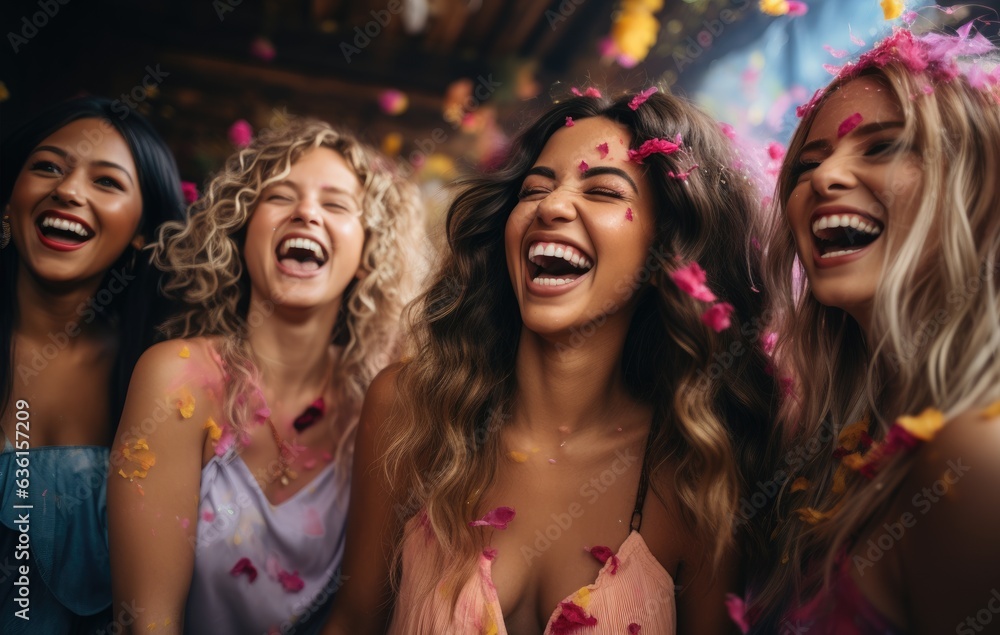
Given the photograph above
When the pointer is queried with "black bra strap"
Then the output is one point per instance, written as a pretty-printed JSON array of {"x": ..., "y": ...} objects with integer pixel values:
[{"x": 640, "y": 496}]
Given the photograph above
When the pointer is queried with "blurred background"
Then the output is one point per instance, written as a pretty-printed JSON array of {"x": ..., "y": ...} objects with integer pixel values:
[{"x": 439, "y": 84}]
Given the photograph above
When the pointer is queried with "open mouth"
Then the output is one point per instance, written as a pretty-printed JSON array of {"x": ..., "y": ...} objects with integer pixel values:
[
  {"x": 557, "y": 264},
  {"x": 844, "y": 234},
  {"x": 301, "y": 255},
  {"x": 58, "y": 229}
]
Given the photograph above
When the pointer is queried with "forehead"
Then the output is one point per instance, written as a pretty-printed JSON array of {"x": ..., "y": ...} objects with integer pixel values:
[
  {"x": 580, "y": 142},
  {"x": 325, "y": 167},
  {"x": 868, "y": 96},
  {"x": 91, "y": 139}
]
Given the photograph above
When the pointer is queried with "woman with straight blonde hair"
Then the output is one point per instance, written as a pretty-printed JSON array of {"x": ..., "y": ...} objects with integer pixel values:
[
  {"x": 231, "y": 469},
  {"x": 890, "y": 203}
]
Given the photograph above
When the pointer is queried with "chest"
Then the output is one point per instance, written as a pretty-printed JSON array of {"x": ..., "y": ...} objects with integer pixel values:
[
  {"x": 65, "y": 393},
  {"x": 564, "y": 510}
]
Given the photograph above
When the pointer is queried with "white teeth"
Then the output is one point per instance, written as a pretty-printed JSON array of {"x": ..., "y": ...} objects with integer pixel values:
[
  {"x": 843, "y": 252},
  {"x": 846, "y": 220},
  {"x": 566, "y": 252},
  {"x": 551, "y": 282},
  {"x": 65, "y": 225},
  {"x": 302, "y": 243}
]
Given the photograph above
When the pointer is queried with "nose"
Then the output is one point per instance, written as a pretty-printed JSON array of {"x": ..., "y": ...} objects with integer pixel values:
[
  {"x": 557, "y": 206},
  {"x": 834, "y": 174},
  {"x": 69, "y": 189},
  {"x": 307, "y": 210}
]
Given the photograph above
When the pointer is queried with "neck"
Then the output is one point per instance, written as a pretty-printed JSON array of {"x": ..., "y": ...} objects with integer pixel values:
[
  {"x": 292, "y": 350},
  {"x": 45, "y": 309},
  {"x": 561, "y": 386}
]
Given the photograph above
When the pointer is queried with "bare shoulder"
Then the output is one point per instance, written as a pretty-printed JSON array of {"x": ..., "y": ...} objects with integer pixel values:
[
  {"x": 177, "y": 362},
  {"x": 950, "y": 554}
]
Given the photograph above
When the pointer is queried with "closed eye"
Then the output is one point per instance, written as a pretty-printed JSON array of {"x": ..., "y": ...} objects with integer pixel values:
[
  {"x": 46, "y": 166},
  {"x": 800, "y": 168},
  {"x": 279, "y": 197},
  {"x": 107, "y": 181},
  {"x": 602, "y": 191},
  {"x": 530, "y": 192}
]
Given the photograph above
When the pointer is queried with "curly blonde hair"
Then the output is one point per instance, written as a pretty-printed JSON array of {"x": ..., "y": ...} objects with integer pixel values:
[{"x": 206, "y": 271}]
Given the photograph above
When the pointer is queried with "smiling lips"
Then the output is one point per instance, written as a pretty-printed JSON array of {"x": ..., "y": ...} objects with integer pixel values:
[
  {"x": 301, "y": 255},
  {"x": 844, "y": 234},
  {"x": 557, "y": 264},
  {"x": 62, "y": 232}
]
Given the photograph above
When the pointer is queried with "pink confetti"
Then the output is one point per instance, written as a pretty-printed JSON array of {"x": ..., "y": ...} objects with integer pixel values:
[
  {"x": 691, "y": 280},
  {"x": 489, "y": 553},
  {"x": 682, "y": 176},
  {"x": 589, "y": 92},
  {"x": 910, "y": 17},
  {"x": 241, "y": 133},
  {"x": 393, "y": 102},
  {"x": 208, "y": 515},
  {"x": 849, "y": 124},
  {"x": 583, "y": 166},
  {"x": 768, "y": 341},
  {"x": 603, "y": 149},
  {"x": 928, "y": 89},
  {"x": 552, "y": 461},
  {"x": 737, "y": 612},
  {"x": 728, "y": 130},
  {"x": 855, "y": 39},
  {"x": 571, "y": 618},
  {"x": 291, "y": 581},
  {"x": 225, "y": 441},
  {"x": 185, "y": 523},
  {"x": 628, "y": 215},
  {"x": 641, "y": 98},
  {"x": 190, "y": 191},
  {"x": 262, "y": 49},
  {"x": 831, "y": 68},
  {"x": 633, "y": 629},
  {"x": 313, "y": 525},
  {"x": 603, "y": 554},
  {"x": 837, "y": 53},
  {"x": 569, "y": 122},
  {"x": 652, "y": 146},
  {"x": 796, "y": 8},
  {"x": 775, "y": 150},
  {"x": 717, "y": 317},
  {"x": 243, "y": 565},
  {"x": 497, "y": 518}
]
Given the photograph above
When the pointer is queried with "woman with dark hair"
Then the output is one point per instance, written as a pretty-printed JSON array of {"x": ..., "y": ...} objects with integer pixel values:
[
  {"x": 82, "y": 189},
  {"x": 574, "y": 383}
]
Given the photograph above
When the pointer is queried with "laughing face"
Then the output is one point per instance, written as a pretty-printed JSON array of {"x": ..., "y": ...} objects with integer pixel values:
[
  {"x": 76, "y": 203},
  {"x": 854, "y": 183},
  {"x": 305, "y": 238},
  {"x": 582, "y": 229}
]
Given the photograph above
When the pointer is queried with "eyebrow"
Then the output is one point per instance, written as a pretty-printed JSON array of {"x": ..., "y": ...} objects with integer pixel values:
[
  {"x": 333, "y": 189},
  {"x": 597, "y": 170},
  {"x": 864, "y": 129},
  {"x": 65, "y": 155}
]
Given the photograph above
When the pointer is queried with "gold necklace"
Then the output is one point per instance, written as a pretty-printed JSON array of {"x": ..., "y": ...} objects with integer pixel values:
[{"x": 287, "y": 474}]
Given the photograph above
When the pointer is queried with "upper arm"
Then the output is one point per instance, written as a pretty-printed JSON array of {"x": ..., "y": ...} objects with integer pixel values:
[
  {"x": 374, "y": 522},
  {"x": 701, "y": 600},
  {"x": 950, "y": 555},
  {"x": 154, "y": 481}
]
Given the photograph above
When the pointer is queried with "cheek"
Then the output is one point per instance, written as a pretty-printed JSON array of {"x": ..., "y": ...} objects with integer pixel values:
[{"x": 514, "y": 230}]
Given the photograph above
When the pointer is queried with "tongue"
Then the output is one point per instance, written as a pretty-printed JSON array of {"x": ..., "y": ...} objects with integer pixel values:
[{"x": 299, "y": 265}]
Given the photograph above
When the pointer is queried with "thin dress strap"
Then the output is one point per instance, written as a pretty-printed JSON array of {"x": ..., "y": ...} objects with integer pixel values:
[{"x": 640, "y": 496}]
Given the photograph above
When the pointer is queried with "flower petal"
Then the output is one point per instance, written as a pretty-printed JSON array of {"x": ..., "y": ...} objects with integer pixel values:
[
  {"x": 737, "y": 609},
  {"x": 652, "y": 146},
  {"x": 641, "y": 98},
  {"x": 717, "y": 317},
  {"x": 691, "y": 280},
  {"x": 243, "y": 565},
  {"x": 497, "y": 518}
]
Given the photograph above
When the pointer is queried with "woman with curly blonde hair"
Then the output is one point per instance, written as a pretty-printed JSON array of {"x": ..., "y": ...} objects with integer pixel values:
[
  {"x": 571, "y": 358},
  {"x": 889, "y": 202},
  {"x": 230, "y": 472}
]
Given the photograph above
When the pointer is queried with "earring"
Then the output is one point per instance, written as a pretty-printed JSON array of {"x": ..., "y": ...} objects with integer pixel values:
[{"x": 5, "y": 237}]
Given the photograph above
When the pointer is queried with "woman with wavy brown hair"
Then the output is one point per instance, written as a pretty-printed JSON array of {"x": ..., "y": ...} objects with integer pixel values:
[
  {"x": 230, "y": 472},
  {"x": 569, "y": 441}
]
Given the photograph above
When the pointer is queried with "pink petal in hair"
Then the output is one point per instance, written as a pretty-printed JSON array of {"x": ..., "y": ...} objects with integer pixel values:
[
  {"x": 717, "y": 317},
  {"x": 497, "y": 518},
  {"x": 737, "y": 611},
  {"x": 849, "y": 124},
  {"x": 569, "y": 122},
  {"x": 682, "y": 176},
  {"x": 691, "y": 280},
  {"x": 641, "y": 98},
  {"x": 652, "y": 146}
]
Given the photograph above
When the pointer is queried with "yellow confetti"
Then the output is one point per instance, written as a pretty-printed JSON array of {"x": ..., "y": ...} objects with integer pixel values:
[
  {"x": 582, "y": 598},
  {"x": 892, "y": 9},
  {"x": 774, "y": 7},
  {"x": 840, "y": 478},
  {"x": 923, "y": 426},
  {"x": 214, "y": 431},
  {"x": 850, "y": 437},
  {"x": 993, "y": 410},
  {"x": 185, "y": 352},
  {"x": 517, "y": 457},
  {"x": 800, "y": 484},
  {"x": 139, "y": 454},
  {"x": 186, "y": 405},
  {"x": 812, "y": 516}
]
